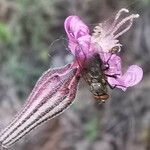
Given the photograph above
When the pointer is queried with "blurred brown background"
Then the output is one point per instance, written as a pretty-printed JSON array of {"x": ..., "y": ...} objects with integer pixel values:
[{"x": 27, "y": 29}]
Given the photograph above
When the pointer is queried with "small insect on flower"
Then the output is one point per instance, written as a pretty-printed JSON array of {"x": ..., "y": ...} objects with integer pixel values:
[
  {"x": 93, "y": 73},
  {"x": 95, "y": 59}
]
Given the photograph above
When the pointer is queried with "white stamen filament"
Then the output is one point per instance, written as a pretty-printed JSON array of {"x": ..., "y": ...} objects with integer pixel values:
[
  {"x": 125, "y": 30},
  {"x": 124, "y": 21},
  {"x": 120, "y": 13}
]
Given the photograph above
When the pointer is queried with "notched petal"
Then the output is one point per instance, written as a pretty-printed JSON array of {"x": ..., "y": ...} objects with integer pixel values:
[{"x": 133, "y": 75}]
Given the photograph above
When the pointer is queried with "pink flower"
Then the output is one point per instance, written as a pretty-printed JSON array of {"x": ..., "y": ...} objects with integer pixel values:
[
  {"x": 104, "y": 41},
  {"x": 56, "y": 89}
]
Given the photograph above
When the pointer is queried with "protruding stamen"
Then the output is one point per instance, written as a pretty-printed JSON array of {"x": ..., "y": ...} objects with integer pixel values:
[
  {"x": 118, "y": 15},
  {"x": 114, "y": 27},
  {"x": 131, "y": 17},
  {"x": 120, "y": 12},
  {"x": 125, "y": 30}
]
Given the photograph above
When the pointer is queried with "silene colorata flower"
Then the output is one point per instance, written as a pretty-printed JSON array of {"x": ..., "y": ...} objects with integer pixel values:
[{"x": 95, "y": 59}]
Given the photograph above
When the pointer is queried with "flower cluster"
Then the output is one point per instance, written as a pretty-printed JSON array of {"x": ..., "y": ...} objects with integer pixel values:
[{"x": 104, "y": 42}]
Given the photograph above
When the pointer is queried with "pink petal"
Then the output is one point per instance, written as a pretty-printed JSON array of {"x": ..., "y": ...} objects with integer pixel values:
[
  {"x": 83, "y": 45},
  {"x": 75, "y": 28},
  {"x": 114, "y": 63},
  {"x": 133, "y": 76},
  {"x": 119, "y": 83},
  {"x": 78, "y": 34},
  {"x": 114, "y": 69}
]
